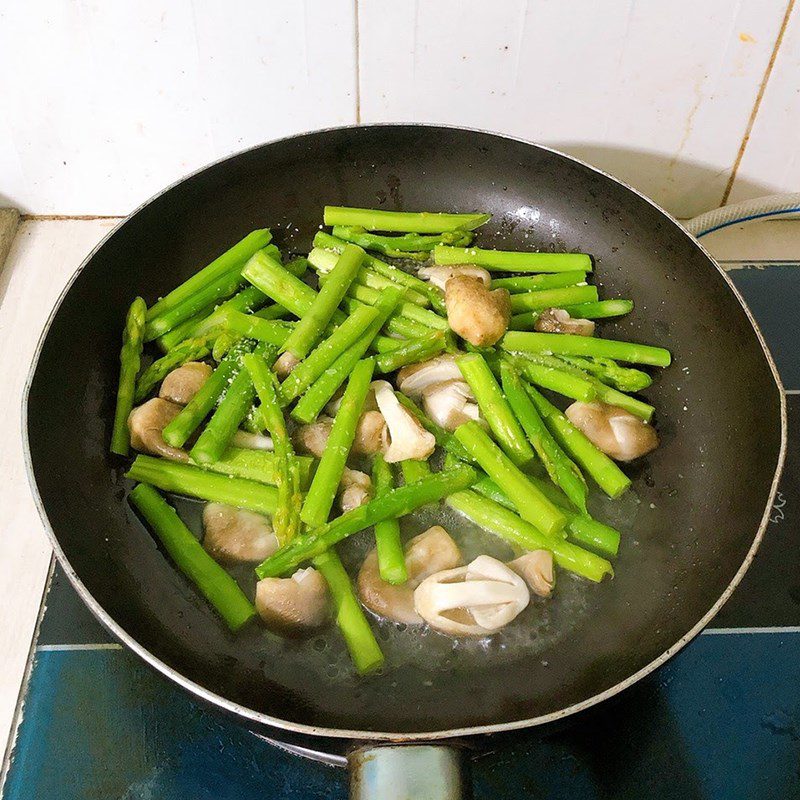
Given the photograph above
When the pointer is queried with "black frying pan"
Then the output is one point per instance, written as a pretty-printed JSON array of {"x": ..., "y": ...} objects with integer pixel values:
[{"x": 703, "y": 495}]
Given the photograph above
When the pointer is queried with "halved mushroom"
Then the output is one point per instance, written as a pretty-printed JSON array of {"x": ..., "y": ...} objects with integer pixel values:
[
  {"x": 369, "y": 438},
  {"x": 232, "y": 535},
  {"x": 615, "y": 431},
  {"x": 183, "y": 383},
  {"x": 440, "y": 274},
  {"x": 355, "y": 489},
  {"x": 475, "y": 600},
  {"x": 476, "y": 314},
  {"x": 285, "y": 363},
  {"x": 332, "y": 408},
  {"x": 414, "y": 379},
  {"x": 558, "y": 320},
  {"x": 313, "y": 438},
  {"x": 536, "y": 567},
  {"x": 405, "y": 438},
  {"x": 430, "y": 552},
  {"x": 145, "y": 424},
  {"x": 450, "y": 404},
  {"x": 293, "y": 606}
]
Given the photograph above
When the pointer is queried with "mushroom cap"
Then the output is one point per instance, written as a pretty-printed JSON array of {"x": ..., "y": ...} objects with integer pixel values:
[
  {"x": 370, "y": 434},
  {"x": 475, "y": 600},
  {"x": 476, "y": 314},
  {"x": 147, "y": 421},
  {"x": 183, "y": 383},
  {"x": 313, "y": 438},
  {"x": 429, "y": 552},
  {"x": 615, "y": 431},
  {"x": 439, "y": 274},
  {"x": 536, "y": 568},
  {"x": 285, "y": 363},
  {"x": 414, "y": 379},
  {"x": 355, "y": 489},
  {"x": 558, "y": 320},
  {"x": 404, "y": 438},
  {"x": 450, "y": 404},
  {"x": 232, "y": 535},
  {"x": 293, "y": 606}
]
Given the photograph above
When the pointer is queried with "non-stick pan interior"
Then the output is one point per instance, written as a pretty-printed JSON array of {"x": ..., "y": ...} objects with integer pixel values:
[{"x": 698, "y": 500}]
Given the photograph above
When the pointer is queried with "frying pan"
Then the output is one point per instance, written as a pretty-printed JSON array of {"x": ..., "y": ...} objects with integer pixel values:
[{"x": 694, "y": 519}]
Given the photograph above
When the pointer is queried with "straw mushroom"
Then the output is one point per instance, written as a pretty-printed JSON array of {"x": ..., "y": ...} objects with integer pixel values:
[
  {"x": 405, "y": 438},
  {"x": 355, "y": 489},
  {"x": 475, "y": 600},
  {"x": 369, "y": 438},
  {"x": 183, "y": 383},
  {"x": 615, "y": 431},
  {"x": 414, "y": 379},
  {"x": 476, "y": 314},
  {"x": 233, "y": 535},
  {"x": 450, "y": 404},
  {"x": 147, "y": 421},
  {"x": 558, "y": 320},
  {"x": 285, "y": 363},
  {"x": 536, "y": 568},
  {"x": 293, "y": 606},
  {"x": 439, "y": 275}
]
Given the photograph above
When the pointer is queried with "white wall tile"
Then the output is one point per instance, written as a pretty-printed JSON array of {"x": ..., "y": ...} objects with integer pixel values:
[
  {"x": 658, "y": 94},
  {"x": 771, "y": 161},
  {"x": 105, "y": 103}
]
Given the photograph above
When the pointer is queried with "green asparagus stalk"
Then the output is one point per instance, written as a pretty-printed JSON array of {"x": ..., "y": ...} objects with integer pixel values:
[
  {"x": 373, "y": 219},
  {"x": 552, "y": 298},
  {"x": 599, "y": 310},
  {"x": 572, "y": 345},
  {"x": 189, "y": 350},
  {"x": 562, "y": 471},
  {"x": 531, "y": 504},
  {"x": 409, "y": 245},
  {"x": 278, "y": 283},
  {"x": 494, "y": 408},
  {"x": 311, "y": 368},
  {"x": 561, "y": 380},
  {"x": 321, "y": 493},
  {"x": 397, "y": 324},
  {"x": 508, "y": 261},
  {"x": 274, "y": 332},
  {"x": 626, "y": 379},
  {"x": 258, "y": 465},
  {"x": 297, "y": 266},
  {"x": 395, "y": 503},
  {"x": 391, "y": 558},
  {"x": 272, "y": 311},
  {"x": 534, "y": 283},
  {"x": 506, "y": 524},
  {"x": 411, "y": 352},
  {"x": 219, "y": 588},
  {"x": 130, "y": 359},
  {"x": 186, "y": 479},
  {"x": 421, "y": 315},
  {"x": 325, "y": 386},
  {"x": 224, "y": 343},
  {"x": 605, "y": 473},
  {"x": 361, "y": 642},
  {"x": 230, "y": 261},
  {"x": 225, "y": 421}
]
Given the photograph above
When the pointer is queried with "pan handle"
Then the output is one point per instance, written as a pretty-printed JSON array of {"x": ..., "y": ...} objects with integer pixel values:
[{"x": 398, "y": 772}]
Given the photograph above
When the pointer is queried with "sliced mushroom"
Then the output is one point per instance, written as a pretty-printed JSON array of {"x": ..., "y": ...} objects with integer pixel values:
[
  {"x": 476, "y": 314},
  {"x": 558, "y": 320},
  {"x": 430, "y": 552},
  {"x": 450, "y": 404},
  {"x": 405, "y": 438},
  {"x": 147, "y": 421},
  {"x": 252, "y": 441},
  {"x": 285, "y": 363},
  {"x": 475, "y": 600},
  {"x": 615, "y": 431},
  {"x": 232, "y": 535},
  {"x": 313, "y": 438},
  {"x": 293, "y": 606},
  {"x": 369, "y": 438},
  {"x": 183, "y": 383},
  {"x": 355, "y": 489},
  {"x": 440, "y": 274},
  {"x": 536, "y": 568},
  {"x": 332, "y": 408},
  {"x": 414, "y": 379}
]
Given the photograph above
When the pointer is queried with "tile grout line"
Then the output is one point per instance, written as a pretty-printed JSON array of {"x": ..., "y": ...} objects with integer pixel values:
[
  {"x": 358, "y": 63},
  {"x": 75, "y": 217},
  {"x": 757, "y": 103}
]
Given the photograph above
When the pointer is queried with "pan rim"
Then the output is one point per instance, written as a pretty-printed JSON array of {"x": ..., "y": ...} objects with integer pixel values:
[{"x": 260, "y": 718}]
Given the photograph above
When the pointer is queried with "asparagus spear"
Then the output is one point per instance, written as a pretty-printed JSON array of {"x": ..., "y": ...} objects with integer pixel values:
[
  {"x": 224, "y": 343},
  {"x": 219, "y": 588},
  {"x": 230, "y": 261},
  {"x": 275, "y": 332},
  {"x": 391, "y": 558},
  {"x": 189, "y": 350},
  {"x": 602, "y": 308},
  {"x": 402, "y": 221},
  {"x": 324, "y": 387},
  {"x": 561, "y": 470},
  {"x": 130, "y": 358},
  {"x": 422, "y": 315},
  {"x": 397, "y": 324},
  {"x": 258, "y": 465},
  {"x": 494, "y": 408},
  {"x": 531, "y": 504},
  {"x": 533, "y": 283},
  {"x": 409, "y": 245},
  {"x": 411, "y": 352},
  {"x": 572, "y": 345},
  {"x": 308, "y": 370},
  {"x": 395, "y": 503},
  {"x": 361, "y": 642},
  {"x": 318, "y": 502},
  {"x": 506, "y": 524},
  {"x": 606, "y": 474},
  {"x": 552, "y": 298},
  {"x": 505, "y": 260},
  {"x": 186, "y": 479},
  {"x": 626, "y": 379}
]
